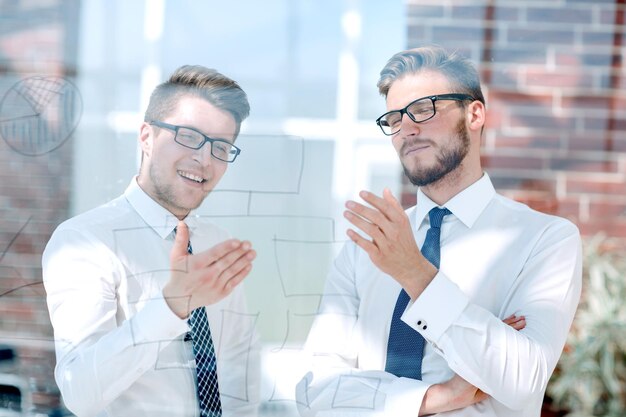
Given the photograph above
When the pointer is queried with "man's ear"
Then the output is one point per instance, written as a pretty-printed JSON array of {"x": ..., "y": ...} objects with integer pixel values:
[
  {"x": 146, "y": 139},
  {"x": 475, "y": 115}
]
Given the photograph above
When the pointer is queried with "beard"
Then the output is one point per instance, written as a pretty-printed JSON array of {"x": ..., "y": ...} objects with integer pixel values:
[
  {"x": 448, "y": 159},
  {"x": 165, "y": 194}
]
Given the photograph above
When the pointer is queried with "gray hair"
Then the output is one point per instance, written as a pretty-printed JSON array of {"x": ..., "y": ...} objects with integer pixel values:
[{"x": 459, "y": 71}]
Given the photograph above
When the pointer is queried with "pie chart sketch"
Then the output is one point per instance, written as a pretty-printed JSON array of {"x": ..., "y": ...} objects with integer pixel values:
[{"x": 38, "y": 114}]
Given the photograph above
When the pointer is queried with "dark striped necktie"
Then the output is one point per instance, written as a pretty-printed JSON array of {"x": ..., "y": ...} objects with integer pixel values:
[
  {"x": 206, "y": 362},
  {"x": 405, "y": 348}
]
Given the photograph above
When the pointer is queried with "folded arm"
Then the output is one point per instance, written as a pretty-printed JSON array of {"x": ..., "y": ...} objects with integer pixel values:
[
  {"x": 512, "y": 367},
  {"x": 457, "y": 393}
]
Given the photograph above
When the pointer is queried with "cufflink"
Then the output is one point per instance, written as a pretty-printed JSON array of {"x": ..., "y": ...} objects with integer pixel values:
[
  {"x": 187, "y": 337},
  {"x": 422, "y": 324}
]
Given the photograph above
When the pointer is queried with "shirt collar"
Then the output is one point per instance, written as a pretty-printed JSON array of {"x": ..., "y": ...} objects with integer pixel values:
[
  {"x": 466, "y": 205},
  {"x": 156, "y": 216}
]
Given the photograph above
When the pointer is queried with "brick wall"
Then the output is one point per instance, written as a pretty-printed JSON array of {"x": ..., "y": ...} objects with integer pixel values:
[
  {"x": 555, "y": 83},
  {"x": 39, "y": 107}
]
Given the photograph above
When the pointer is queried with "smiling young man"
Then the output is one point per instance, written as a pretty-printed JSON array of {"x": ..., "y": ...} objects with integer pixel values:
[
  {"x": 144, "y": 297},
  {"x": 460, "y": 305}
]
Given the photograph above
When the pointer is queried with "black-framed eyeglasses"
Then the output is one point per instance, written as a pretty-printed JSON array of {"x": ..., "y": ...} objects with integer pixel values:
[
  {"x": 418, "y": 110},
  {"x": 193, "y": 139}
]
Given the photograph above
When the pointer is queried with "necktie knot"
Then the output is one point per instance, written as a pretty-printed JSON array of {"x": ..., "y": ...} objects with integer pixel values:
[{"x": 436, "y": 216}]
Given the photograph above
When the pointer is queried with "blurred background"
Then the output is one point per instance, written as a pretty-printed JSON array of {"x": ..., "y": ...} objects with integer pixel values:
[{"x": 75, "y": 76}]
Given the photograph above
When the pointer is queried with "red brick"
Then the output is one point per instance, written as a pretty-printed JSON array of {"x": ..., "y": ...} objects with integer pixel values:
[
  {"x": 559, "y": 123},
  {"x": 618, "y": 102},
  {"x": 593, "y": 141},
  {"x": 617, "y": 142},
  {"x": 568, "y": 207},
  {"x": 582, "y": 165},
  {"x": 500, "y": 13},
  {"x": 14, "y": 310},
  {"x": 568, "y": 58},
  {"x": 558, "y": 15},
  {"x": 531, "y": 186},
  {"x": 532, "y": 141},
  {"x": 596, "y": 187},
  {"x": 505, "y": 78},
  {"x": 9, "y": 283},
  {"x": 540, "y": 77},
  {"x": 540, "y": 36},
  {"x": 606, "y": 226},
  {"x": 528, "y": 54},
  {"x": 608, "y": 210},
  {"x": 408, "y": 200},
  {"x": 620, "y": 85},
  {"x": 607, "y": 16},
  {"x": 458, "y": 33},
  {"x": 506, "y": 14},
  {"x": 496, "y": 115},
  {"x": 417, "y": 11},
  {"x": 604, "y": 38},
  {"x": 518, "y": 98},
  {"x": 595, "y": 102},
  {"x": 469, "y": 12},
  {"x": 544, "y": 202},
  {"x": 512, "y": 162},
  {"x": 589, "y": 59},
  {"x": 604, "y": 123}
]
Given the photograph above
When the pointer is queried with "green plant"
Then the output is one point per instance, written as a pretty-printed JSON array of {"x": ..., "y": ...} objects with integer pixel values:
[{"x": 590, "y": 379}]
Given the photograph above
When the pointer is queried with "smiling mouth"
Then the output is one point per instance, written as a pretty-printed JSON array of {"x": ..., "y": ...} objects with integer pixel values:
[{"x": 191, "y": 177}]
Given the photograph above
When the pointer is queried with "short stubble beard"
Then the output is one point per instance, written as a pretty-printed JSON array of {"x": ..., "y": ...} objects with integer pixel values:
[
  {"x": 165, "y": 194},
  {"x": 448, "y": 160}
]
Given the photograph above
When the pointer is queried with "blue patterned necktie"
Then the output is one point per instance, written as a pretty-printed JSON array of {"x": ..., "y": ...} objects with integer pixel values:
[
  {"x": 206, "y": 363},
  {"x": 405, "y": 348}
]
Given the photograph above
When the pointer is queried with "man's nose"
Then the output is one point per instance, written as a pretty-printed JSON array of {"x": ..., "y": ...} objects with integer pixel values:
[
  {"x": 408, "y": 126},
  {"x": 204, "y": 154}
]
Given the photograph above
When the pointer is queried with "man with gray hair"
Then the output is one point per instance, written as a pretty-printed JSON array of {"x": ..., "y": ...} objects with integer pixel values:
[
  {"x": 459, "y": 305},
  {"x": 149, "y": 317}
]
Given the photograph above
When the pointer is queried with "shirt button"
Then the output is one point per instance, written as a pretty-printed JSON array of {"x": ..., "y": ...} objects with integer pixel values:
[{"x": 422, "y": 324}]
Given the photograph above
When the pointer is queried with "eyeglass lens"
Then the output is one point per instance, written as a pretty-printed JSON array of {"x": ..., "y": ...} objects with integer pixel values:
[
  {"x": 419, "y": 111},
  {"x": 192, "y": 139}
]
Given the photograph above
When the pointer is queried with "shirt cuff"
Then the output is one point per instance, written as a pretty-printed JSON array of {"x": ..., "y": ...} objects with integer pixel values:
[
  {"x": 434, "y": 311},
  {"x": 156, "y": 322},
  {"x": 404, "y": 397}
]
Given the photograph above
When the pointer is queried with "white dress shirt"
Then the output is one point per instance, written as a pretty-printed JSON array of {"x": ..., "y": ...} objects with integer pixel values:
[
  {"x": 498, "y": 257},
  {"x": 120, "y": 349}
]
